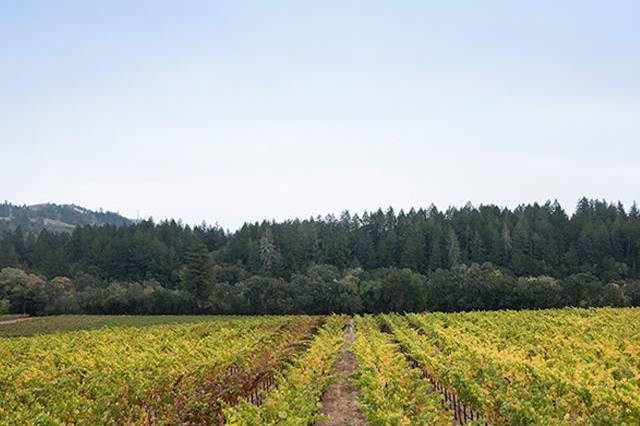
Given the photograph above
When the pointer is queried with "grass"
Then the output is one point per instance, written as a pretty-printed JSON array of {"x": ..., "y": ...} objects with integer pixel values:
[
  {"x": 64, "y": 323},
  {"x": 9, "y": 317}
]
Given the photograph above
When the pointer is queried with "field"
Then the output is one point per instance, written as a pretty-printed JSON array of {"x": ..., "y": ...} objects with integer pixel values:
[
  {"x": 63, "y": 323},
  {"x": 10, "y": 317},
  {"x": 571, "y": 366}
]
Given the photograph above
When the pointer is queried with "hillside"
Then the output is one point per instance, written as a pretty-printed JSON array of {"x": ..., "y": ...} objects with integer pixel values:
[{"x": 53, "y": 217}]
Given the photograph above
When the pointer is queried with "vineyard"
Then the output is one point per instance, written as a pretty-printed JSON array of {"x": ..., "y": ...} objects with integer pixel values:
[{"x": 570, "y": 366}]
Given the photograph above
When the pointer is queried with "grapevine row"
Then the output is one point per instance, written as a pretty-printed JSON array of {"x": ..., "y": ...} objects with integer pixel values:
[
  {"x": 295, "y": 397},
  {"x": 393, "y": 392},
  {"x": 513, "y": 375},
  {"x": 107, "y": 376},
  {"x": 200, "y": 399}
]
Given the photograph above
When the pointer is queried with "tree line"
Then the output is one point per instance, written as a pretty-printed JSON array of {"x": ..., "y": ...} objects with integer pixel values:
[{"x": 485, "y": 257}]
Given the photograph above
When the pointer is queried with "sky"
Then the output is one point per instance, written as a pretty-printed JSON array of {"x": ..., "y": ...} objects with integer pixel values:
[{"x": 231, "y": 111}]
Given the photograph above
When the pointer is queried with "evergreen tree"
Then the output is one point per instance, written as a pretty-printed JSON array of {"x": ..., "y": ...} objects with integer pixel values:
[
  {"x": 453, "y": 249},
  {"x": 387, "y": 249},
  {"x": 476, "y": 251},
  {"x": 435, "y": 252},
  {"x": 196, "y": 275},
  {"x": 363, "y": 249},
  {"x": 268, "y": 251},
  {"x": 414, "y": 253},
  {"x": 8, "y": 255},
  {"x": 506, "y": 244},
  {"x": 521, "y": 248}
]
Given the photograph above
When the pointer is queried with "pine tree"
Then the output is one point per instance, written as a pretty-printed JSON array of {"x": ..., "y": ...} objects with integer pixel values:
[
  {"x": 8, "y": 255},
  {"x": 476, "y": 251},
  {"x": 506, "y": 243},
  {"x": 453, "y": 249},
  {"x": 521, "y": 248},
  {"x": 413, "y": 253},
  {"x": 196, "y": 275},
  {"x": 268, "y": 251},
  {"x": 435, "y": 252},
  {"x": 387, "y": 250},
  {"x": 363, "y": 249}
]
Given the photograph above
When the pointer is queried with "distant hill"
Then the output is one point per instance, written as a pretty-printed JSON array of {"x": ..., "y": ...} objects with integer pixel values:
[{"x": 54, "y": 217}]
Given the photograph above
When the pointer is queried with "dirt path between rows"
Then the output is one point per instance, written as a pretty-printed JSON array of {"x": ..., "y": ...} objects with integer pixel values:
[
  {"x": 340, "y": 400},
  {"x": 13, "y": 321}
]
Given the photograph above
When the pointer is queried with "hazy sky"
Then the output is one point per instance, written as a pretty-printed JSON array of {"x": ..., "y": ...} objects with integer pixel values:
[{"x": 239, "y": 111}]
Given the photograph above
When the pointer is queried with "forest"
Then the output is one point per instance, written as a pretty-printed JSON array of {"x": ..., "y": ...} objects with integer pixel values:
[{"x": 468, "y": 258}]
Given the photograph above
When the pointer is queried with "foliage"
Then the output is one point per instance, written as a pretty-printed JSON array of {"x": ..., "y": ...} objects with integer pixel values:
[
  {"x": 599, "y": 238},
  {"x": 569, "y": 366},
  {"x": 66, "y": 323},
  {"x": 295, "y": 399},
  {"x": 392, "y": 392},
  {"x": 200, "y": 398},
  {"x": 534, "y": 256},
  {"x": 574, "y": 366},
  {"x": 119, "y": 375}
]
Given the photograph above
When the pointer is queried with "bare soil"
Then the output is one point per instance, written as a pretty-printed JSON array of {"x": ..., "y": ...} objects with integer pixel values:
[{"x": 340, "y": 400}]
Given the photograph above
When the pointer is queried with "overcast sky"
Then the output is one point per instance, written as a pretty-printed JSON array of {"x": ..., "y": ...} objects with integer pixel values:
[{"x": 238, "y": 111}]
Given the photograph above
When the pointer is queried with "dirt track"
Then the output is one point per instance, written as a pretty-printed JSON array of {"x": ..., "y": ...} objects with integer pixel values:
[{"x": 340, "y": 401}]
